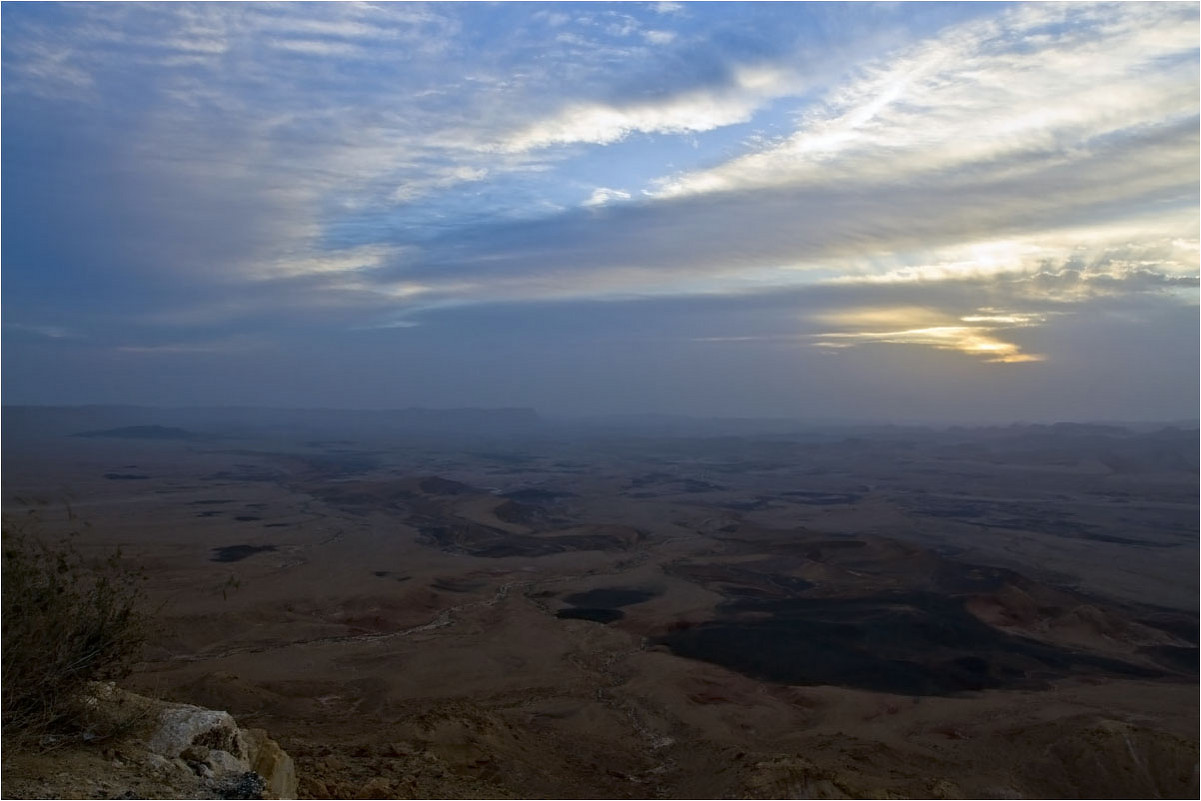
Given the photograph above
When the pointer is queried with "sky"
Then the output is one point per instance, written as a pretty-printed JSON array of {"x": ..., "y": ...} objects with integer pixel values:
[{"x": 944, "y": 212}]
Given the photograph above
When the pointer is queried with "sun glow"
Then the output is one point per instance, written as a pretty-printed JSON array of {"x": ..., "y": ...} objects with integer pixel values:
[{"x": 912, "y": 326}]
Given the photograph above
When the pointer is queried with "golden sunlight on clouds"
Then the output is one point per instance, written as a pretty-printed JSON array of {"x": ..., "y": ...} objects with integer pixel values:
[
  {"x": 976, "y": 335},
  {"x": 1113, "y": 250},
  {"x": 346, "y": 260}
]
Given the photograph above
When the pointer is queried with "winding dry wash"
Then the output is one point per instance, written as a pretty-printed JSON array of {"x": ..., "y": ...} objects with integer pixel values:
[{"x": 603, "y": 400}]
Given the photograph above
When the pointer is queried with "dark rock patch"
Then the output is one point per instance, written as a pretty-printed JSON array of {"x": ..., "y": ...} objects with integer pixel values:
[
  {"x": 389, "y": 574},
  {"x": 244, "y": 474},
  {"x": 746, "y": 506},
  {"x": 504, "y": 458},
  {"x": 436, "y": 485},
  {"x": 335, "y": 463},
  {"x": 244, "y": 785},
  {"x": 537, "y": 495},
  {"x": 740, "y": 580},
  {"x": 522, "y": 514},
  {"x": 611, "y": 597},
  {"x": 905, "y": 643},
  {"x": 697, "y": 485},
  {"x": 366, "y": 497},
  {"x": 650, "y": 478},
  {"x": 247, "y": 518},
  {"x": 125, "y": 477},
  {"x": 595, "y": 615},
  {"x": 1178, "y": 658},
  {"x": 1127, "y": 541},
  {"x": 822, "y": 498},
  {"x": 1178, "y": 623},
  {"x": 236, "y": 553},
  {"x": 479, "y": 540},
  {"x": 457, "y": 585}
]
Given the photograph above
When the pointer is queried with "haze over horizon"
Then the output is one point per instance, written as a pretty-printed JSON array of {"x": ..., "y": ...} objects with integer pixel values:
[{"x": 955, "y": 212}]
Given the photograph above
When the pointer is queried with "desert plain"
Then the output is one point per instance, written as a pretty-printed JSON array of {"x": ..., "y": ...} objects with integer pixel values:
[{"x": 491, "y": 604}]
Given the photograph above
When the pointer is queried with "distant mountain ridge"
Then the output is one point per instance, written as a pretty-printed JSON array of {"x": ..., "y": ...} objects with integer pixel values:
[
  {"x": 143, "y": 432},
  {"x": 183, "y": 423}
]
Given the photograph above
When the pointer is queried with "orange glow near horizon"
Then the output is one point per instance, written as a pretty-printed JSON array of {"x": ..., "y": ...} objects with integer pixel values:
[{"x": 919, "y": 326}]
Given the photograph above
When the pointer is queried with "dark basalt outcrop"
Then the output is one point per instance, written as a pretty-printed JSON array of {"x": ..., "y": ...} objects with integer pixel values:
[
  {"x": 236, "y": 553},
  {"x": 882, "y": 615},
  {"x": 911, "y": 644},
  {"x": 611, "y": 597}
]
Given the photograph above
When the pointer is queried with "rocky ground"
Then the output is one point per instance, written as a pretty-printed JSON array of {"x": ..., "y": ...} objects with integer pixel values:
[
  {"x": 985, "y": 614},
  {"x": 150, "y": 749}
]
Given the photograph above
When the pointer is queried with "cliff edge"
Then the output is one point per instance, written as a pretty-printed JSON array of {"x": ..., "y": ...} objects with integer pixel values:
[{"x": 153, "y": 749}]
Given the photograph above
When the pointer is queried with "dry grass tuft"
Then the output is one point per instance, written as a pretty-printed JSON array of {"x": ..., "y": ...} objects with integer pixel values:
[{"x": 66, "y": 622}]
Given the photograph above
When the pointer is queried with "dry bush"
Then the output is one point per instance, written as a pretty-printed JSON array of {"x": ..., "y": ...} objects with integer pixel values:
[{"x": 66, "y": 622}]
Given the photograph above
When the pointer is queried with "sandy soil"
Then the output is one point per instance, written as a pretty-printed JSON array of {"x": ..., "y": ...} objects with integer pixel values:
[{"x": 985, "y": 614}]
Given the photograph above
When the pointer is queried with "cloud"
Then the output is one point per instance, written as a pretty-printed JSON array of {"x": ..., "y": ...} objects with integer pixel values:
[
  {"x": 1036, "y": 88},
  {"x": 977, "y": 335},
  {"x": 554, "y": 19},
  {"x": 178, "y": 348},
  {"x": 348, "y": 260},
  {"x": 686, "y": 112},
  {"x": 413, "y": 189},
  {"x": 46, "y": 331},
  {"x": 659, "y": 37},
  {"x": 296, "y": 173},
  {"x": 602, "y": 195},
  {"x": 317, "y": 47}
]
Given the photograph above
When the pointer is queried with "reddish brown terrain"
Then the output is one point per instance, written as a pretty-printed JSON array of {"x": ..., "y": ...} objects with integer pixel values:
[{"x": 438, "y": 609}]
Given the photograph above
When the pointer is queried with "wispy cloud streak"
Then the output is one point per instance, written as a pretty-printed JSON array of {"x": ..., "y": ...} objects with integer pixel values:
[{"x": 192, "y": 175}]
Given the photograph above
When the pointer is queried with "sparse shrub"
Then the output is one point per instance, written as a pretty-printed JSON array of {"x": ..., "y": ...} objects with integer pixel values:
[{"x": 66, "y": 622}]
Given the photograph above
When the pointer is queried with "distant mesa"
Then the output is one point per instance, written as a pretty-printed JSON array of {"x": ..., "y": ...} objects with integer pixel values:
[{"x": 143, "y": 432}]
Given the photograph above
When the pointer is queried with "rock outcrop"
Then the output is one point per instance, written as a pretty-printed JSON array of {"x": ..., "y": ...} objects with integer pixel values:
[{"x": 165, "y": 750}]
